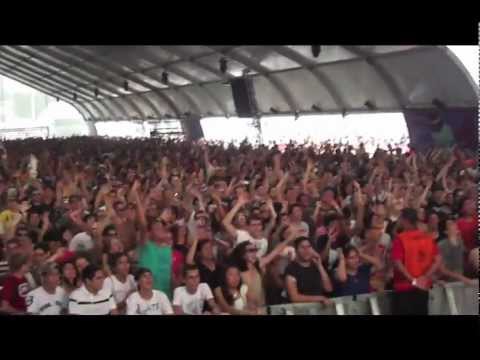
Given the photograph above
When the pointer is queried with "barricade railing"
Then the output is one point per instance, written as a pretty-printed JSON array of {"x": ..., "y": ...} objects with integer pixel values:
[{"x": 449, "y": 299}]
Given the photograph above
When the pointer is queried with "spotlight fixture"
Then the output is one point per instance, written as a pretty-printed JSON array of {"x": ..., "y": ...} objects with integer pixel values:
[
  {"x": 223, "y": 65},
  {"x": 58, "y": 99},
  {"x": 95, "y": 92},
  {"x": 75, "y": 96},
  {"x": 297, "y": 115},
  {"x": 165, "y": 78},
  {"x": 209, "y": 113},
  {"x": 168, "y": 116},
  {"x": 370, "y": 105},
  {"x": 316, "y": 50},
  {"x": 125, "y": 85},
  {"x": 273, "y": 110},
  {"x": 438, "y": 104},
  {"x": 316, "y": 108},
  {"x": 344, "y": 113}
]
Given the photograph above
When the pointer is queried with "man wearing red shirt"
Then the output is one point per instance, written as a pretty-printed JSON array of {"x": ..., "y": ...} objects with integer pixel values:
[
  {"x": 15, "y": 287},
  {"x": 416, "y": 258},
  {"x": 468, "y": 225}
]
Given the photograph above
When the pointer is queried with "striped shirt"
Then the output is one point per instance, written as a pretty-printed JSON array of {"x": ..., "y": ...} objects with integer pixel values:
[
  {"x": 4, "y": 270},
  {"x": 83, "y": 302}
]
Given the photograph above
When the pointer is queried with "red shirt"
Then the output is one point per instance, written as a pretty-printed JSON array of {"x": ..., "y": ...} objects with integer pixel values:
[
  {"x": 400, "y": 283},
  {"x": 15, "y": 291},
  {"x": 468, "y": 229}
]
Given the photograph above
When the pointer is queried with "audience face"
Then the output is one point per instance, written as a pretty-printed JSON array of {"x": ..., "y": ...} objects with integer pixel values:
[
  {"x": 304, "y": 251},
  {"x": 232, "y": 278},
  {"x": 80, "y": 264},
  {"x": 255, "y": 228},
  {"x": 192, "y": 280},
  {"x": 123, "y": 266},
  {"x": 52, "y": 280},
  {"x": 352, "y": 260},
  {"x": 145, "y": 282},
  {"x": 96, "y": 284},
  {"x": 69, "y": 271}
]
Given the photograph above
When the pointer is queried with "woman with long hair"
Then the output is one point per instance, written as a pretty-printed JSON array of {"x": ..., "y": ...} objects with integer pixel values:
[
  {"x": 69, "y": 277},
  {"x": 231, "y": 294},
  {"x": 121, "y": 283},
  {"x": 354, "y": 270},
  {"x": 253, "y": 269}
]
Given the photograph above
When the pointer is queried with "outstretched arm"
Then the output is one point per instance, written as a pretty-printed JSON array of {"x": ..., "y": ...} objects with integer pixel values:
[{"x": 227, "y": 222}]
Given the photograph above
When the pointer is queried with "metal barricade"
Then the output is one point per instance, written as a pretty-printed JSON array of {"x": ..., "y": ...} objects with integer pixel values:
[{"x": 450, "y": 299}]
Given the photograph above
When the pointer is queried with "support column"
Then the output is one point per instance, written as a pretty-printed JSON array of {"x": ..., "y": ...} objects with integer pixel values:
[{"x": 92, "y": 129}]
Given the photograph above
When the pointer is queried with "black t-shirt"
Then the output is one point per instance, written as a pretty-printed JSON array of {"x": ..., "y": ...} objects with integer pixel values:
[
  {"x": 208, "y": 276},
  {"x": 309, "y": 280}
]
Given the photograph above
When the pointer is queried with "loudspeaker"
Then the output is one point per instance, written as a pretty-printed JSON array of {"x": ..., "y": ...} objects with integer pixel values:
[
  {"x": 244, "y": 97},
  {"x": 193, "y": 128}
]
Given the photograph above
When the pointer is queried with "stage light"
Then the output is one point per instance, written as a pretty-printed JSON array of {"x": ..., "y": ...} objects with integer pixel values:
[
  {"x": 370, "y": 105},
  {"x": 58, "y": 99},
  {"x": 316, "y": 108},
  {"x": 438, "y": 104},
  {"x": 223, "y": 65},
  {"x": 297, "y": 115},
  {"x": 75, "y": 96},
  {"x": 96, "y": 92},
  {"x": 316, "y": 50},
  {"x": 273, "y": 110},
  {"x": 165, "y": 78},
  {"x": 125, "y": 85}
]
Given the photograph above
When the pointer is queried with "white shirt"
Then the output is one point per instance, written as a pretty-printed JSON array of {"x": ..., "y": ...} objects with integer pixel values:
[
  {"x": 81, "y": 242},
  {"x": 192, "y": 304},
  {"x": 40, "y": 302},
  {"x": 261, "y": 244},
  {"x": 157, "y": 305},
  {"x": 120, "y": 290},
  {"x": 83, "y": 302},
  {"x": 241, "y": 302}
]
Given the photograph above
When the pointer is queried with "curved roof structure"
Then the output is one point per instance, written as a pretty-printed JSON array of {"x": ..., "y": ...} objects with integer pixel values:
[{"x": 129, "y": 82}]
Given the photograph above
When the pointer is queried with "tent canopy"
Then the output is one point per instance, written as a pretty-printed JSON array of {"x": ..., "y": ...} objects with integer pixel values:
[{"x": 128, "y": 82}]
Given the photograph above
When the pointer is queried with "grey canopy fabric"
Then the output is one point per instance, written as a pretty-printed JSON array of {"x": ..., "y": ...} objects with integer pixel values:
[{"x": 128, "y": 82}]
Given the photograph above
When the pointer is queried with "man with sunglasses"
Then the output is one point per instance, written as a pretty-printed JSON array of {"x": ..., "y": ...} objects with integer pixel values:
[{"x": 254, "y": 234}]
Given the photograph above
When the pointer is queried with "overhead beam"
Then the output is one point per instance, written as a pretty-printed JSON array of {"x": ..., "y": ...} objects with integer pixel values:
[
  {"x": 46, "y": 91},
  {"x": 78, "y": 64},
  {"x": 383, "y": 74},
  {"x": 262, "y": 70},
  {"x": 112, "y": 68},
  {"x": 309, "y": 66}
]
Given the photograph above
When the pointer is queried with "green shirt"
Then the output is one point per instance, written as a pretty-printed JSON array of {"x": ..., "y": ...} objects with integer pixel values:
[{"x": 158, "y": 259}]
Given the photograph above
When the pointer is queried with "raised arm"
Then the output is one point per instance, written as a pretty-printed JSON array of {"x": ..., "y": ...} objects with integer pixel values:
[
  {"x": 341, "y": 270},
  {"x": 264, "y": 261},
  {"x": 273, "y": 219},
  {"x": 227, "y": 222},
  {"x": 192, "y": 251}
]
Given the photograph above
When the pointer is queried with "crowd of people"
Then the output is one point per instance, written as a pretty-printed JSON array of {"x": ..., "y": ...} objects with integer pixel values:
[{"x": 97, "y": 226}]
